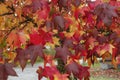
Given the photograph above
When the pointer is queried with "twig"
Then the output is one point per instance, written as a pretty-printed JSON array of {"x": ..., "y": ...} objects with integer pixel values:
[{"x": 7, "y": 14}]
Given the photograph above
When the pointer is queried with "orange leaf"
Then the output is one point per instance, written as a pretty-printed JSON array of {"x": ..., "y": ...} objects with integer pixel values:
[{"x": 16, "y": 38}]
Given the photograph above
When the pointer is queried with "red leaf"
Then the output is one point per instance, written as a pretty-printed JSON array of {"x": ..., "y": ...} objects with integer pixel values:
[
  {"x": 6, "y": 70},
  {"x": 48, "y": 72},
  {"x": 68, "y": 43},
  {"x": 105, "y": 12},
  {"x": 55, "y": 1},
  {"x": 9, "y": 69},
  {"x": 21, "y": 57},
  {"x": 78, "y": 70},
  {"x": 72, "y": 67},
  {"x": 39, "y": 4},
  {"x": 64, "y": 4},
  {"x": 80, "y": 50},
  {"x": 59, "y": 21},
  {"x": 62, "y": 52},
  {"x": 77, "y": 2},
  {"x": 43, "y": 14},
  {"x": 93, "y": 4},
  {"x": 49, "y": 26},
  {"x": 33, "y": 51},
  {"x": 40, "y": 37}
]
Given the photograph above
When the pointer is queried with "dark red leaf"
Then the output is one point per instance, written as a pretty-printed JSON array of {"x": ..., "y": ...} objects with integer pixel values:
[
  {"x": 64, "y": 4},
  {"x": 102, "y": 39},
  {"x": 59, "y": 21},
  {"x": 9, "y": 69},
  {"x": 84, "y": 73},
  {"x": 72, "y": 67},
  {"x": 33, "y": 51},
  {"x": 21, "y": 57},
  {"x": 80, "y": 50},
  {"x": 62, "y": 52},
  {"x": 76, "y": 2},
  {"x": 105, "y": 12},
  {"x": 68, "y": 43},
  {"x": 78, "y": 70},
  {"x": 39, "y": 4},
  {"x": 49, "y": 26},
  {"x": 6, "y": 70}
]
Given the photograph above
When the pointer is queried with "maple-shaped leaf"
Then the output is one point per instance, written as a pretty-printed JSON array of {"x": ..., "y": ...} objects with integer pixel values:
[
  {"x": 113, "y": 36},
  {"x": 80, "y": 11},
  {"x": 6, "y": 70},
  {"x": 93, "y": 4},
  {"x": 39, "y": 4},
  {"x": 43, "y": 14},
  {"x": 94, "y": 33},
  {"x": 21, "y": 57},
  {"x": 102, "y": 39},
  {"x": 68, "y": 43},
  {"x": 105, "y": 12},
  {"x": 40, "y": 37},
  {"x": 9, "y": 69},
  {"x": 105, "y": 48},
  {"x": 27, "y": 9},
  {"x": 52, "y": 73},
  {"x": 77, "y": 2},
  {"x": 59, "y": 21},
  {"x": 16, "y": 38},
  {"x": 49, "y": 26},
  {"x": 33, "y": 51},
  {"x": 64, "y": 4},
  {"x": 72, "y": 67},
  {"x": 78, "y": 70},
  {"x": 78, "y": 36},
  {"x": 63, "y": 53},
  {"x": 88, "y": 18},
  {"x": 47, "y": 71},
  {"x": 90, "y": 43},
  {"x": 79, "y": 48},
  {"x": 84, "y": 73}
]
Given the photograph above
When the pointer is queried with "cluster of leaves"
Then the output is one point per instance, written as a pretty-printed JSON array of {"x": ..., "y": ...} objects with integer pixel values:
[{"x": 73, "y": 29}]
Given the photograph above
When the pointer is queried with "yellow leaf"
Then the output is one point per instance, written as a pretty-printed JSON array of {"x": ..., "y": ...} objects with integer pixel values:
[
  {"x": 51, "y": 45},
  {"x": 105, "y": 0},
  {"x": 68, "y": 34},
  {"x": 11, "y": 56},
  {"x": 56, "y": 41},
  {"x": 3, "y": 8}
]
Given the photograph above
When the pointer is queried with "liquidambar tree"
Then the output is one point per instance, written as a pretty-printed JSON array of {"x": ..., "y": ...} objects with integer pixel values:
[{"x": 62, "y": 31}]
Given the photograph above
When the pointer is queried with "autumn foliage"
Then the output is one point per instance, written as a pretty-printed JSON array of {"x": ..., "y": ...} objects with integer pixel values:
[{"x": 73, "y": 29}]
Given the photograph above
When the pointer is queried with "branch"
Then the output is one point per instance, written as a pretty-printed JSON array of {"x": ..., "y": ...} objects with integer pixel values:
[
  {"x": 7, "y": 14},
  {"x": 30, "y": 20},
  {"x": 13, "y": 28}
]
